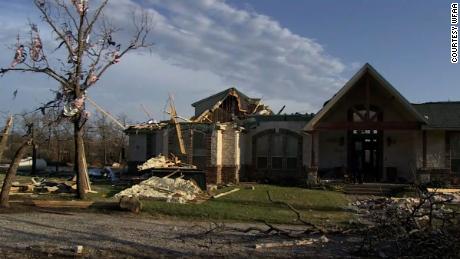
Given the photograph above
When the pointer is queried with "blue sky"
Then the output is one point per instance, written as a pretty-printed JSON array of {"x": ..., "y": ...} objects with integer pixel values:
[
  {"x": 291, "y": 52},
  {"x": 407, "y": 41}
]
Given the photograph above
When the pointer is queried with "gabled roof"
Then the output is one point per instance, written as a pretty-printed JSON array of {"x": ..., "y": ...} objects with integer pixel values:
[
  {"x": 210, "y": 101},
  {"x": 440, "y": 115},
  {"x": 367, "y": 68}
]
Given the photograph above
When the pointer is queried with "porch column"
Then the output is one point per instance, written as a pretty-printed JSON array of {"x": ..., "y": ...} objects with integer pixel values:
[
  {"x": 424, "y": 158},
  {"x": 313, "y": 151},
  {"x": 312, "y": 174}
]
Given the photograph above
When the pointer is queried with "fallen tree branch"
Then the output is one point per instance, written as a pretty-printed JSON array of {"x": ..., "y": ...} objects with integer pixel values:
[{"x": 299, "y": 216}]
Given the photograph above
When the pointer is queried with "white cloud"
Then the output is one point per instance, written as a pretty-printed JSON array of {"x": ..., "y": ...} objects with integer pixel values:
[
  {"x": 204, "y": 46},
  {"x": 246, "y": 49}
]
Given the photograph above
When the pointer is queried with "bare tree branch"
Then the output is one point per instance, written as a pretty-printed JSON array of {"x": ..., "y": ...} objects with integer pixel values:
[
  {"x": 48, "y": 71},
  {"x": 50, "y": 22},
  {"x": 95, "y": 17}
]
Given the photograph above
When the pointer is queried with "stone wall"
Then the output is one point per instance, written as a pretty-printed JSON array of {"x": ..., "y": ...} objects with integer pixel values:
[{"x": 224, "y": 155}]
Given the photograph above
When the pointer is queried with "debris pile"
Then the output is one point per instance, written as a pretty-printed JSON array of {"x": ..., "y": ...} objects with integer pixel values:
[
  {"x": 164, "y": 189},
  {"x": 162, "y": 161},
  {"x": 398, "y": 227}
]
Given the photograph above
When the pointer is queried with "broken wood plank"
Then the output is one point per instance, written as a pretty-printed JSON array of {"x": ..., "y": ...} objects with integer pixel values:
[
  {"x": 173, "y": 114},
  {"x": 62, "y": 204},
  {"x": 225, "y": 193},
  {"x": 285, "y": 244},
  {"x": 171, "y": 174},
  {"x": 444, "y": 190},
  {"x": 303, "y": 242}
]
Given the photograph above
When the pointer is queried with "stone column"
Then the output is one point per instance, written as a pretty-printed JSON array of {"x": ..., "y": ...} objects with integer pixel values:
[
  {"x": 312, "y": 171},
  {"x": 214, "y": 172}
]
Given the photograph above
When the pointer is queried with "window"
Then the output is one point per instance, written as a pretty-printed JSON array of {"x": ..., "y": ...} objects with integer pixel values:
[
  {"x": 291, "y": 163},
  {"x": 277, "y": 162},
  {"x": 360, "y": 113},
  {"x": 277, "y": 151},
  {"x": 262, "y": 163}
]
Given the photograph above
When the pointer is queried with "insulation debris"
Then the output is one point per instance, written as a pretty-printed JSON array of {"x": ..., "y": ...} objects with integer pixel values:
[
  {"x": 163, "y": 189},
  {"x": 162, "y": 161}
]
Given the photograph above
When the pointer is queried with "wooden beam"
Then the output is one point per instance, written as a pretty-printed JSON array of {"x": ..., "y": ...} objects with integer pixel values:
[
  {"x": 99, "y": 108},
  {"x": 368, "y": 97},
  {"x": 369, "y": 125},
  {"x": 173, "y": 114}
]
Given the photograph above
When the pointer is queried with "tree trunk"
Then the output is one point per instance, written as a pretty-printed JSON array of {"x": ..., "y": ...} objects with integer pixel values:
[
  {"x": 80, "y": 163},
  {"x": 11, "y": 174},
  {"x": 5, "y": 134}
]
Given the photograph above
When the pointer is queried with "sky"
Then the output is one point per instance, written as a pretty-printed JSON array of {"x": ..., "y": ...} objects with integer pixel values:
[{"x": 296, "y": 53}]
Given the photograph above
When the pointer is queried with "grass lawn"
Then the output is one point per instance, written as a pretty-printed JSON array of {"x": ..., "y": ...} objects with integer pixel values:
[{"x": 317, "y": 206}]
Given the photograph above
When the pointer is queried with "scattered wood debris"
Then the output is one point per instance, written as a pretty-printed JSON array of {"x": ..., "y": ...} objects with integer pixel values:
[
  {"x": 302, "y": 242},
  {"x": 162, "y": 161},
  {"x": 225, "y": 193}
]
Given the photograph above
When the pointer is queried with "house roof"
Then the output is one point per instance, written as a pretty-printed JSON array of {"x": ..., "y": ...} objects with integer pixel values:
[
  {"x": 367, "y": 68},
  {"x": 210, "y": 101},
  {"x": 440, "y": 115}
]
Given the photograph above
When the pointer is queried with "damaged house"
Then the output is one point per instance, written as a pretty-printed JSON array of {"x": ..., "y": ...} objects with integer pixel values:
[{"x": 366, "y": 132}]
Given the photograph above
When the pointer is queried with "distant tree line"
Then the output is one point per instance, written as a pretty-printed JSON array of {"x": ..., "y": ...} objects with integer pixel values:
[{"x": 105, "y": 142}]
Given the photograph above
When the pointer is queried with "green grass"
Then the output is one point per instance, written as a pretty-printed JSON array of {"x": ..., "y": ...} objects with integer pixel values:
[{"x": 317, "y": 206}]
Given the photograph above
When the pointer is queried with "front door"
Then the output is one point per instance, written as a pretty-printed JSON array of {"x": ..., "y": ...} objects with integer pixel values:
[{"x": 365, "y": 155}]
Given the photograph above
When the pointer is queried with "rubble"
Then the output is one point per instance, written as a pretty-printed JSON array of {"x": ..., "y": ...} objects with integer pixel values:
[
  {"x": 163, "y": 189},
  {"x": 42, "y": 185},
  {"x": 162, "y": 161}
]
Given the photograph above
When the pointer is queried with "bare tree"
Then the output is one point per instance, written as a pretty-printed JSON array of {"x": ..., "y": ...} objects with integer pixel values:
[
  {"x": 89, "y": 51},
  {"x": 5, "y": 133},
  {"x": 11, "y": 173}
]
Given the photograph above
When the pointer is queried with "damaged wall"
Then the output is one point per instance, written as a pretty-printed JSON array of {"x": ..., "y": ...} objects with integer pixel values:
[{"x": 213, "y": 148}]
